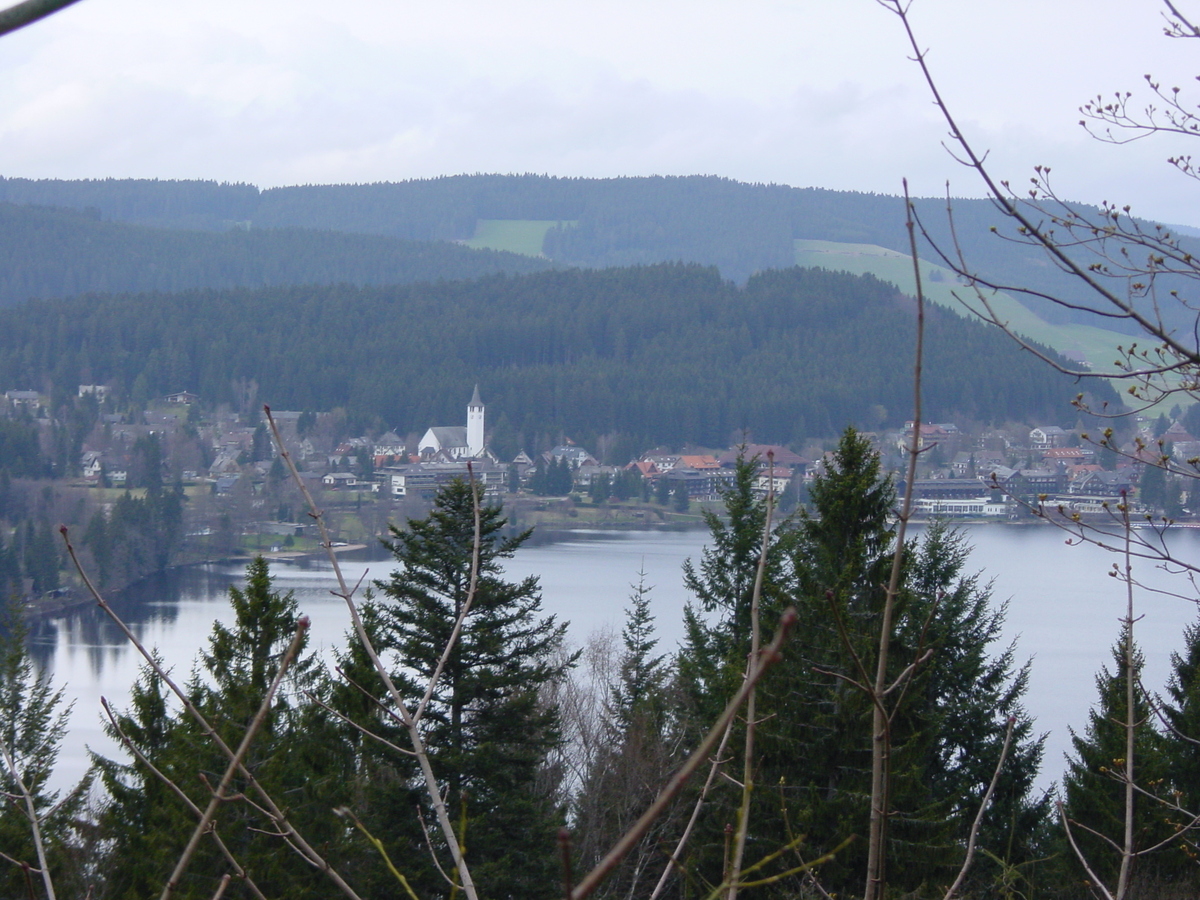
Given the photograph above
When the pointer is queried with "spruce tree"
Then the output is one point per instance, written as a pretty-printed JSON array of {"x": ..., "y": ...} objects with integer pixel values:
[
  {"x": 813, "y": 743},
  {"x": 640, "y": 747},
  {"x": 1182, "y": 712},
  {"x": 32, "y": 728},
  {"x": 295, "y": 756},
  {"x": 714, "y": 655},
  {"x": 487, "y": 730},
  {"x": 1094, "y": 784}
]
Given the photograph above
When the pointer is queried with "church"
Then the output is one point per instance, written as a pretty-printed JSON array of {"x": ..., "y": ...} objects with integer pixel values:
[{"x": 454, "y": 441}]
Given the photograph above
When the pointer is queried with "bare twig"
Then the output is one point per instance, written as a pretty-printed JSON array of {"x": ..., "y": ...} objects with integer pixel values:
[
  {"x": 410, "y": 724},
  {"x": 739, "y": 847},
  {"x": 183, "y": 797},
  {"x": 365, "y": 732},
  {"x": 1096, "y": 882},
  {"x": 983, "y": 805},
  {"x": 31, "y": 814},
  {"x": 672, "y": 860},
  {"x": 22, "y": 14},
  {"x": 880, "y": 720},
  {"x": 294, "y": 838},
  {"x": 378, "y": 845},
  {"x": 235, "y": 764},
  {"x": 452, "y": 641},
  {"x": 768, "y": 657},
  {"x": 1131, "y": 724}
]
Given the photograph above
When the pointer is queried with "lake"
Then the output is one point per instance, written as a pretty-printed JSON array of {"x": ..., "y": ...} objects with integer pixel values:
[{"x": 1063, "y": 611}]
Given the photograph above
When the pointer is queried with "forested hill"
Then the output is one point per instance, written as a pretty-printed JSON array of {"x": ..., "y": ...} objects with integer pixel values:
[
  {"x": 741, "y": 228},
  {"x": 48, "y": 252},
  {"x": 662, "y": 354}
]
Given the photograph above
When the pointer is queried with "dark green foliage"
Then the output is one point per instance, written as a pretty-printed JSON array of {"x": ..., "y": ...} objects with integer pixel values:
[
  {"x": 296, "y": 757},
  {"x": 668, "y": 354},
  {"x": 20, "y": 452},
  {"x": 638, "y": 748},
  {"x": 1093, "y": 787},
  {"x": 662, "y": 491},
  {"x": 814, "y": 742},
  {"x": 32, "y": 728},
  {"x": 487, "y": 730},
  {"x": 627, "y": 484},
  {"x": 600, "y": 488},
  {"x": 50, "y": 253},
  {"x": 741, "y": 228},
  {"x": 723, "y": 583},
  {"x": 551, "y": 479},
  {"x": 1182, "y": 711},
  {"x": 137, "y": 537},
  {"x": 43, "y": 559}
]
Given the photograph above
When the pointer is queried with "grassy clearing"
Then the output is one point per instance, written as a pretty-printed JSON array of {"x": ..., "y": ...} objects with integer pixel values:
[
  {"x": 1096, "y": 345},
  {"x": 524, "y": 236}
]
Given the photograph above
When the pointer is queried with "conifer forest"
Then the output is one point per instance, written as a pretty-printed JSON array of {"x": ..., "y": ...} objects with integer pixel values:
[{"x": 199, "y": 372}]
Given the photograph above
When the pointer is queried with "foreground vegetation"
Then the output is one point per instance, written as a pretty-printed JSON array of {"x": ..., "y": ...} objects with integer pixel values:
[{"x": 525, "y": 736}]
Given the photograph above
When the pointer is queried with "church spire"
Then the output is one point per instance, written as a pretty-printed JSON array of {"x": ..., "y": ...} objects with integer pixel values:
[{"x": 475, "y": 428}]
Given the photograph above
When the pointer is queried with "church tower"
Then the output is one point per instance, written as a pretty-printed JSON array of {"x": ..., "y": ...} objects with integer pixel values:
[{"x": 475, "y": 425}]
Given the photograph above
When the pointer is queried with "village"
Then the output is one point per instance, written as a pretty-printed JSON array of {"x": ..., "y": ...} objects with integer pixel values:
[{"x": 241, "y": 499}]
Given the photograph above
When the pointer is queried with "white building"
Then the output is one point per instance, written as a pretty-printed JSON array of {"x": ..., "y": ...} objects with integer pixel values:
[{"x": 455, "y": 441}]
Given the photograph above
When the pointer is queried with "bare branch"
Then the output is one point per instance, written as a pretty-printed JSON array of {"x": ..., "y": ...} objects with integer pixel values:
[
  {"x": 1096, "y": 882},
  {"x": 22, "y": 14},
  {"x": 768, "y": 657},
  {"x": 183, "y": 797},
  {"x": 452, "y": 641},
  {"x": 876, "y": 882},
  {"x": 983, "y": 805},
  {"x": 295, "y": 839},
  {"x": 755, "y": 639},
  {"x": 410, "y": 724},
  {"x": 235, "y": 764},
  {"x": 31, "y": 815}
]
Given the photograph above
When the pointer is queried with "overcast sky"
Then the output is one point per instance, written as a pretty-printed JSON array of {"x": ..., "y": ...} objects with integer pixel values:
[{"x": 806, "y": 93}]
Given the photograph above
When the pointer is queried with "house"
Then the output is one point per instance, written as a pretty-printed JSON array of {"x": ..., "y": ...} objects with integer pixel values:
[
  {"x": 772, "y": 480},
  {"x": 91, "y": 465},
  {"x": 576, "y": 457},
  {"x": 706, "y": 484},
  {"x": 337, "y": 480},
  {"x": 765, "y": 453},
  {"x": 389, "y": 444},
  {"x": 181, "y": 397},
  {"x": 968, "y": 506},
  {"x": 1047, "y": 436},
  {"x": 26, "y": 399},
  {"x": 1099, "y": 483},
  {"x": 1069, "y": 455}
]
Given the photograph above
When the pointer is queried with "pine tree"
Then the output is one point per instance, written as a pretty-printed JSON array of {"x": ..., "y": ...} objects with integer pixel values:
[
  {"x": 33, "y": 725},
  {"x": 486, "y": 727},
  {"x": 1094, "y": 787},
  {"x": 947, "y": 726},
  {"x": 295, "y": 756},
  {"x": 813, "y": 743},
  {"x": 714, "y": 657},
  {"x": 639, "y": 750},
  {"x": 1182, "y": 713}
]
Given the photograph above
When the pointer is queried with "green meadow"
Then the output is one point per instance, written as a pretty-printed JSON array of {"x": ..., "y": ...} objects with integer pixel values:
[
  {"x": 524, "y": 236},
  {"x": 1096, "y": 346}
]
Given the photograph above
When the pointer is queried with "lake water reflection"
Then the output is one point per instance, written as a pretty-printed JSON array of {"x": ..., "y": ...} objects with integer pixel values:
[{"x": 1063, "y": 609}]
